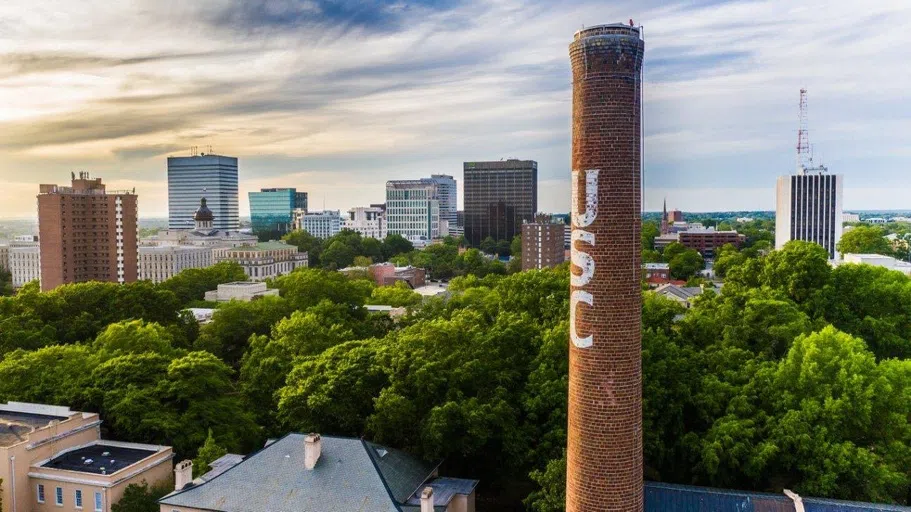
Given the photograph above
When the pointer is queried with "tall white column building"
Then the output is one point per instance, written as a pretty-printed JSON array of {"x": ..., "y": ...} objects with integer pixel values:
[
  {"x": 413, "y": 210},
  {"x": 809, "y": 208}
]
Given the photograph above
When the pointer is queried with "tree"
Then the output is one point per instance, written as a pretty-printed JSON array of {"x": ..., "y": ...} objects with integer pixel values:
[
  {"x": 227, "y": 335},
  {"x": 6, "y": 282},
  {"x": 192, "y": 284},
  {"x": 308, "y": 243},
  {"x": 396, "y": 244},
  {"x": 727, "y": 257},
  {"x": 673, "y": 249},
  {"x": 141, "y": 498},
  {"x": 488, "y": 245},
  {"x": 398, "y": 295},
  {"x": 864, "y": 240},
  {"x": 650, "y": 231},
  {"x": 337, "y": 255},
  {"x": 800, "y": 269},
  {"x": 208, "y": 453},
  {"x": 515, "y": 247},
  {"x": 686, "y": 264}
]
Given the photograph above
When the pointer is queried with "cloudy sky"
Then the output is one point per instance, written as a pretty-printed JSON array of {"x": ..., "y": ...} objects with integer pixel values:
[{"x": 336, "y": 96}]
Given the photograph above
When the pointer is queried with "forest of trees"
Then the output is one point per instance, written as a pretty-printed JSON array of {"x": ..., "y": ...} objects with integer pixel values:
[{"x": 795, "y": 376}]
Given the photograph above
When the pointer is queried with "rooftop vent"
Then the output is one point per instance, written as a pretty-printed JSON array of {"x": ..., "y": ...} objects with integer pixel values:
[{"x": 88, "y": 461}]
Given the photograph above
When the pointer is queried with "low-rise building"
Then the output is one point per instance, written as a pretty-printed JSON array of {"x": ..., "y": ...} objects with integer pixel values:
[
  {"x": 878, "y": 260},
  {"x": 314, "y": 472},
  {"x": 161, "y": 263},
  {"x": 682, "y": 294},
  {"x": 850, "y": 217},
  {"x": 266, "y": 260},
  {"x": 707, "y": 241},
  {"x": 55, "y": 460},
  {"x": 387, "y": 274},
  {"x": 542, "y": 244},
  {"x": 656, "y": 273},
  {"x": 369, "y": 221},
  {"x": 25, "y": 264},
  {"x": 324, "y": 224},
  {"x": 244, "y": 291}
]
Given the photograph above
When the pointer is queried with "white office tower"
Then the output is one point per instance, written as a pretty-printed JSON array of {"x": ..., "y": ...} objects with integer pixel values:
[
  {"x": 809, "y": 203},
  {"x": 810, "y": 208}
]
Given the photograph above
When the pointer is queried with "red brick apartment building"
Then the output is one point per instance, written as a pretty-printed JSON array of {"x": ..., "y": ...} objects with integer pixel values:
[{"x": 87, "y": 233}]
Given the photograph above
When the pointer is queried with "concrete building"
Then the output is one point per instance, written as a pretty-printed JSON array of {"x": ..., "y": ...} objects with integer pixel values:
[
  {"x": 244, "y": 291},
  {"x": 809, "y": 207},
  {"x": 499, "y": 197},
  {"x": 878, "y": 260},
  {"x": 369, "y": 221},
  {"x": 272, "y": 209},
  {"x": 387, "y": 274},
  {"x": 448, "y": 195},
  {"x": 87, "y": 233},
  {"x": 413, "y": 210},
  {"x": 211, "y": 176},
  {"x": 604, "y": 435},
  {"x": 55, "y": 460},
  {"x": 25, "y": 264},
  {"x": 323, "y": 225},
  {"x": 314, "y": 472},
  {"x": 708, "y": 241},
  {"x": 850, "y": 217},
  {"x": 161, "y": 263},
  {"x": 4, "y": 257},
  {"x": 542, "y": 244},
  {"x": 204, "y": 233},
  {"x": 266, "y": 260}
]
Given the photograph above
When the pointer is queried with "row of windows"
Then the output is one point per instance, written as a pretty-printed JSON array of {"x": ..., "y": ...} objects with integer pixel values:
[{"x": 77, "y": 497}]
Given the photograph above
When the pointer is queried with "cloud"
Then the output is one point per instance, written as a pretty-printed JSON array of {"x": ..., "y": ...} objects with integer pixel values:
[{"x": 335, "y": 97}]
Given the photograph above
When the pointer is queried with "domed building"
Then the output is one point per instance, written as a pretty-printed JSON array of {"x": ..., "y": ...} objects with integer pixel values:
[{"x": 203, "y": 216}]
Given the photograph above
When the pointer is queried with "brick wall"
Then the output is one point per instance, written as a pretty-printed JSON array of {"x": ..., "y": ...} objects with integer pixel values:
[{"x": 604, "y": 452}]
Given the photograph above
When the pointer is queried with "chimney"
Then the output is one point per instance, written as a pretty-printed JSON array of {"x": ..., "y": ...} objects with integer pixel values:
[
  {"x": 427, "y": 499},
  {"x": 312, "y": 449},
  {"x": 183, "y": 474}
]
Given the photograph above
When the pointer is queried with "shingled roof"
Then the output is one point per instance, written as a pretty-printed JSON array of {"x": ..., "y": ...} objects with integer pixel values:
[{"x": 350, "y": 475}]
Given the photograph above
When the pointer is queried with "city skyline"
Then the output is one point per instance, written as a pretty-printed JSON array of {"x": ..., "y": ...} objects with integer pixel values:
[{"x": 339, "y": 98}]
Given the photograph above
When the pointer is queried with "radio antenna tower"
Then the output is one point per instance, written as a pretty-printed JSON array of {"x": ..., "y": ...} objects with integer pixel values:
[{"x": 804, "y": 155}]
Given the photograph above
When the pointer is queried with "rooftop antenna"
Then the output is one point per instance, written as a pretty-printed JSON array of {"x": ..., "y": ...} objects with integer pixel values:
[{"x": 804, "y": 155}]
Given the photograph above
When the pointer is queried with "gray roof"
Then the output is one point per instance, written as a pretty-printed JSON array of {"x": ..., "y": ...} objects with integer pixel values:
[
  {"x": 351, "y": 475},
  {"x": 444, "y": 490},
  {"x": 16, "y": 426},
  {"x": 222, "y": 464}
]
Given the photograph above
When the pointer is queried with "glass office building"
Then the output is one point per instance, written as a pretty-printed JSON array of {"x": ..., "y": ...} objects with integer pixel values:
[
  {"x": 499, "y": 197},
  {"x": 193, "y": 177},
  {"x": 271, "y": 209}
]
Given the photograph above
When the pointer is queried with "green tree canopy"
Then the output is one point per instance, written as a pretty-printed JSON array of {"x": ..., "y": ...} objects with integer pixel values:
[{"x": 864, "y": 240}]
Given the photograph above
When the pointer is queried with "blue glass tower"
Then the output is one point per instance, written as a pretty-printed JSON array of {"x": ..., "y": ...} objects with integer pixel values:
[
  {"x": 271, "y": 209},
  {"x": 193, "y": 177}
]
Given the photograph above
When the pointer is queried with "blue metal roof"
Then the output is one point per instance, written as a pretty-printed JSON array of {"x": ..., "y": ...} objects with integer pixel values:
[{"x": 661, "y": 497}]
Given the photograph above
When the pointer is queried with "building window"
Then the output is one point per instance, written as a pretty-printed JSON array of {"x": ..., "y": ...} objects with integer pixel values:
[
  {"x": 98, "y": 502},
  {"x": 59, "y": 497},
  {"x": 78, "y": 498},
  {"x": 40, "y": 493}
]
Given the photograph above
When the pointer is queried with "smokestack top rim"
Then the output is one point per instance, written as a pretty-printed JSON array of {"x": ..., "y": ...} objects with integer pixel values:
[{"x": 617, "y": 29}]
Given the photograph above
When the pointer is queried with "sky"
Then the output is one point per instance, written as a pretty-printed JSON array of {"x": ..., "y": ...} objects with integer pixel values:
[{"x": 335, "y": 97}]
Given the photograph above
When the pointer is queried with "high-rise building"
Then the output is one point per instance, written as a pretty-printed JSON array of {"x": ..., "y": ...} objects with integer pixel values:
[
  {"x": 809, "y": 208},
  {"x": 272, "y": 209},
  {"x": 369, "y": 221},
  {"x": 448, "y": 195},
  {"x": 87, "y": 233},
  {"x": 324, "y": 224},
  {"x": 542, "y": 243},
  {"x": 413, "y": 210},
  {"x": 211, "y": 176},
  {"x": 604, "y": 436},
  {"x": 499, "y": 197}
]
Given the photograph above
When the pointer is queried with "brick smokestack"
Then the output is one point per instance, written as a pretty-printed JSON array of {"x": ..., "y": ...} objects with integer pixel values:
[{"x": 604, "y": 447}]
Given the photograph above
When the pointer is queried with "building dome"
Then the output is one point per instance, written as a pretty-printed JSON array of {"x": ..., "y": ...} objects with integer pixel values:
[{"x": 203, "y": 213}]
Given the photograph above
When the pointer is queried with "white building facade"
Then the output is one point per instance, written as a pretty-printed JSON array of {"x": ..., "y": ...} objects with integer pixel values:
[
  {"x": 25, "y": 264},
  {"x": 369, "y": 221},
  {"x": 159, "y": 264},
  {"x": 323, "y": 225},
  {"x": 809, "y": 207},
  {"x": 448, "y": 195},
  {"x": 413, "y": 210}
]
